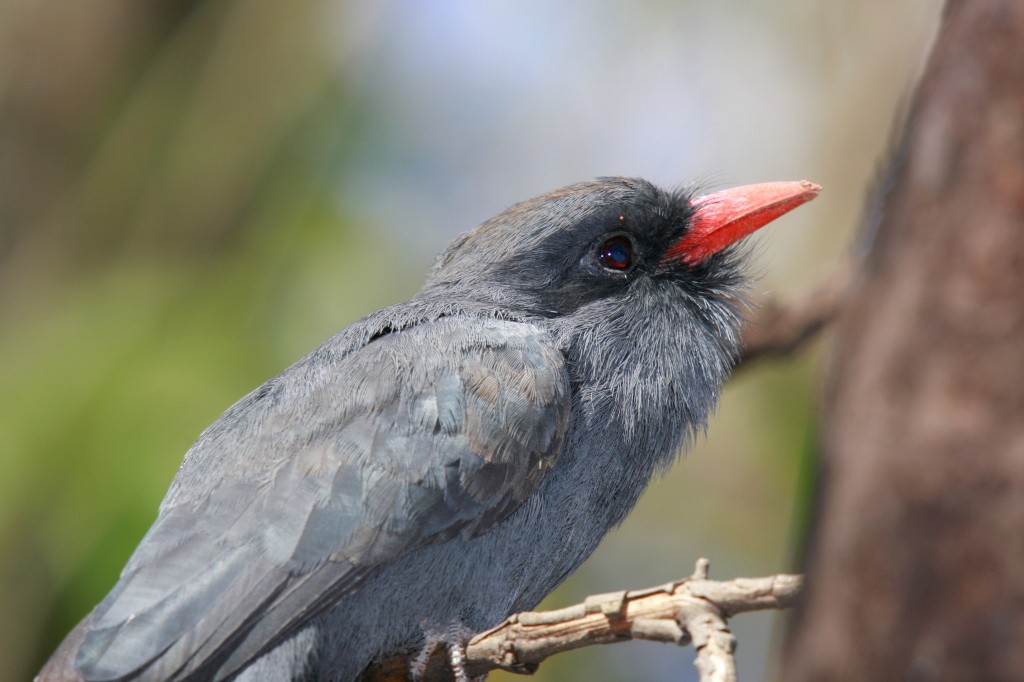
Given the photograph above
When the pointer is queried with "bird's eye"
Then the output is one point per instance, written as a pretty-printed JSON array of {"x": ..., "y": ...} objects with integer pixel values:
[{"x": 616, "y": 253}]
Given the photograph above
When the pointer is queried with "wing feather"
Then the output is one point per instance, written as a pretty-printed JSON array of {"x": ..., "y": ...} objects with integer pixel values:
[{"x": 327, "y": 473}]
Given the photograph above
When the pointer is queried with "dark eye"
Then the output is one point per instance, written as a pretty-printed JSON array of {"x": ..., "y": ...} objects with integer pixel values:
[{"x": 616, "y": 253}]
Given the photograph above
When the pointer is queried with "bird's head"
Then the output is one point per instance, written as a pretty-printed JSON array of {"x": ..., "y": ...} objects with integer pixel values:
[
  {"x": 600, "y": 241},
  {"x": 639, "y": 285}
]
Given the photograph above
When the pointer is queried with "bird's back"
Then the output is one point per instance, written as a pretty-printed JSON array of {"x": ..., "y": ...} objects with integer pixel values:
[{"x": 320, "y": 479}]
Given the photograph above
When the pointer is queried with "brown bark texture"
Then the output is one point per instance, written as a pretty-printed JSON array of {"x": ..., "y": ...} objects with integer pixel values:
[{"x": 916, "y": 561}]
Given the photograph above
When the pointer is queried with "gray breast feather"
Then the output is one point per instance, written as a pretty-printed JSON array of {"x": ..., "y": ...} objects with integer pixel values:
[{"x": 312, "y": 483}]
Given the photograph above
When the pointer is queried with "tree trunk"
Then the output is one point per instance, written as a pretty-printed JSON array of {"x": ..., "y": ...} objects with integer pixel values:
[{"x": 916, "y": 560}]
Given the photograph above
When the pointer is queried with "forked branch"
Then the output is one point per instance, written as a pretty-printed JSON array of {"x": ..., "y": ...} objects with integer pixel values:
[{"x": 692, "y": 610}]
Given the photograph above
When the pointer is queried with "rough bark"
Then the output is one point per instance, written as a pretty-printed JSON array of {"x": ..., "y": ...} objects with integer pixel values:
[{"x": 916, "y": 562}]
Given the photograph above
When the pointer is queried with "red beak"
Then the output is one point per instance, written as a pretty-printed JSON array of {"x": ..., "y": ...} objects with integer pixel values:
[{"x": 725, "y": 217}]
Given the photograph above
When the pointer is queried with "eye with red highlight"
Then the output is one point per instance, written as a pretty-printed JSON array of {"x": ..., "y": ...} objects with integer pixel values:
[{"x": 616, "y": 253}]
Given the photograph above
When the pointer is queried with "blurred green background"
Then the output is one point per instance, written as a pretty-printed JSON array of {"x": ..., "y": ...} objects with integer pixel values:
[{"x": 194, "y": 194}]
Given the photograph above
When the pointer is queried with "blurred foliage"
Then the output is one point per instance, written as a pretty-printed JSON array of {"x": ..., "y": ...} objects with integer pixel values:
[
  {"x": 160, "y": 231},
  {"x": 171, "y": 234}
]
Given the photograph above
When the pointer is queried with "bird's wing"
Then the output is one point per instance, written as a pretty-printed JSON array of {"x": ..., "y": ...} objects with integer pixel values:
[{"x": 310, "y": 484}]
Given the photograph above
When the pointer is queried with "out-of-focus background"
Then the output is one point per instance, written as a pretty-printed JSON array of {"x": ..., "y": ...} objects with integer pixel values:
[{"x": 194, "y": 194}]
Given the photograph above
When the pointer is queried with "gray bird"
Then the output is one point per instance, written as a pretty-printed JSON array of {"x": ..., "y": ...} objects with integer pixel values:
[{"x": 446, "y": 462}]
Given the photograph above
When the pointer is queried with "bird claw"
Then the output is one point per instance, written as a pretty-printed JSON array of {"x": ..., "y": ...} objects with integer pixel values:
[
  {"x": 418, "y": 665},
  {"x": 454, "y": 639}
]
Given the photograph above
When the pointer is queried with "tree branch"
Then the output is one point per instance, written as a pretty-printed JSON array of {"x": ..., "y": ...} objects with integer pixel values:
[
  {"x": 693, "y": 610},
  {"x": 780, "y": 329}
]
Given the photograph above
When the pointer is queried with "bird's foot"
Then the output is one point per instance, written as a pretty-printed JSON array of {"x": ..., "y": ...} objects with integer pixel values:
[{"x": 454, "y": 639}]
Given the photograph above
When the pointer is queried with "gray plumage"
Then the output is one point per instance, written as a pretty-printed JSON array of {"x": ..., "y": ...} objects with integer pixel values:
[{"x": 447, "y": 460}]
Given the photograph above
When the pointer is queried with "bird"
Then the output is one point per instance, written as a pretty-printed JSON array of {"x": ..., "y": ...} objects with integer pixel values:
[{"x": 444, "y": 462}]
